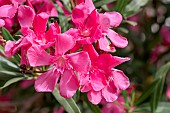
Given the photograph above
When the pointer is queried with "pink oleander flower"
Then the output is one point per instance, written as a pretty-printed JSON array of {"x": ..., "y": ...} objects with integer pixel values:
[
  {"x": 118, "y": 106},
  {"x": 64, "y": 66},
  {"x": 45, "y": 6},
  {"x": 93, "y": 26},
  {"x": 26, "y": 83},
  {"x": 168, "y": 92},
  {"x": 165, "y": 33},
  {"x": 7, "y": 10},
  {"x": 156, "y": 52},
  {"x": 103, "y": 80},
  {"x": 38, "y": 35}
]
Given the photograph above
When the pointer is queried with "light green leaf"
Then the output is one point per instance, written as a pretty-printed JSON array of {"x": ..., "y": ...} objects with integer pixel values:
[
  {"x": 68, "y": 104},
  {"x": 130, "y": 22},
  {"x": 134, "y": 7},
  {"x": 11, "y": 81}
]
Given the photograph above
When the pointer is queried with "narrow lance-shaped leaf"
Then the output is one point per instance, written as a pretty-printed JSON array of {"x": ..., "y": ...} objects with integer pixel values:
[
  {"x": 147, "y": 92},
  {"x": 68, "y": 104},
  {"x": 120, "y": 5},
  {"x": 6, "y": 34},
  {"x": 99, "y": 3},
  {"x": 11, "y": 81},
  {"x": 161, "y": 73},
  {"x": 134, "y": 7}
]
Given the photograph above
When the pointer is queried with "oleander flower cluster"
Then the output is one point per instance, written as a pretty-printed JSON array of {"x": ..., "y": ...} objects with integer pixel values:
[{"x": 77, "y": 59}]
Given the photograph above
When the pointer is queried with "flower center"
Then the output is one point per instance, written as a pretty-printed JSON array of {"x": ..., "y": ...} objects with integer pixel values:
[
  {"x": 61, "y": 64},
  {"x": 86, "y": 32}
]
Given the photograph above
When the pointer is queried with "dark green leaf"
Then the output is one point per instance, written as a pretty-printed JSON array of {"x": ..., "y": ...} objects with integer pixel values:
[
  {"x": 68, "y": 104},
  {"x": 147, "y": 92},
  {"x": 120, "y": 5},
  {"x": 163, "y": 107},
  {"x": 161, "y": 73},
  {"x": 100, "y": 3},
  {"x": 6, "y": 34}
]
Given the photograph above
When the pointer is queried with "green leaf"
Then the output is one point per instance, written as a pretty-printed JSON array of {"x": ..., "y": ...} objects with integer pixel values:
[
  {"x": 68, "y": 104},
  {"x": 120, "y": 5},
  {"x": 163, "y": 107},
  {"x": 147, "y": 92},
  {"x": 161, "y": 73},
  {"x": 11, "y": 81},
  {"x": 100, "y": 3},
  {"x": 6, "y": 34},
  {"x": 130, "y": 22},
  {"x": 134, "y": 7},
  {"x": 93, "y": 107}
]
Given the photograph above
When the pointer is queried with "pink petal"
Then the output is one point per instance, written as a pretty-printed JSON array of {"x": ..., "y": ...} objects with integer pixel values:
[
  {"x": 25, "y": 16},
  {"x": 97, "y": 35},
  {"x": 112, "y": 108},
  {"x": 94, "y": 96},
  {"x": 51, "y": 34},
  {"x": 38, "y": 56},
  {"x": 8, "y": 10},
  {"x": 121, "y": 81},
  {"x": 91, "y": 51},
  {"x": 104, "y": 22},
  {"x": 68, "y": 84},
  {"x": 117, "y": 39},
  {"x": 111, "y": 61},
  {"x": 105, "y": 46},
  {"x": 79, "y": 14},
  {"x": 9, "y": 48},
  {"x": 40, "y": 22},
  {"x": 2, "y": 23},
  {"x": 47, "y": 81},
  {"x": 92, "y": 19},
  {"x": 98, "y": 80},
  {"x": 84, "y": 82},
  {"x": 23, "y": 56},
  {"x": 64, "y": 43},
  {"x": 80, "y": 61},
  {"x": 110, "y": 92},
  {"x": 73, "y": 32},
  {"x": 115, "y": 18},
  {"x": 168, "y": 91},
  {"x": 90, "y": 5},
  {"x": 86, "y": 87}
]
